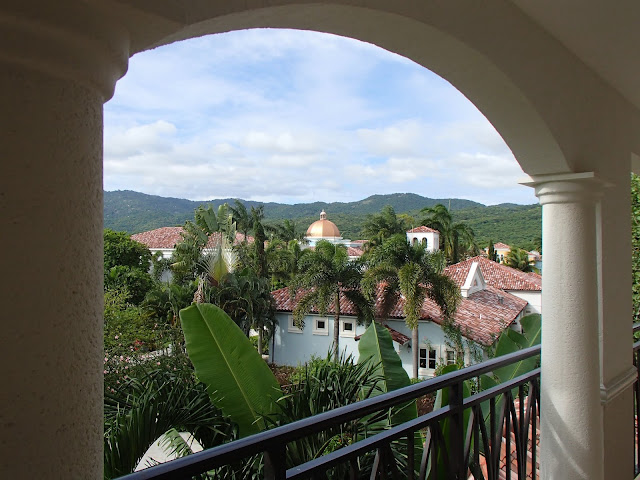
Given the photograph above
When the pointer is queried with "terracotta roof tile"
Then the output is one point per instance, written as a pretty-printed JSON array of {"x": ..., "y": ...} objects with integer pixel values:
[
  {"x": 501, "y": 246},
  {"x": 396, "y": 336},
  {"x": 168, "y": 237},
  {"x": 354, "y": 251},
  {"x": 422, "y": 229},
  {"x": 496, "y": 275},
  {"x": 165, "y": 237}
]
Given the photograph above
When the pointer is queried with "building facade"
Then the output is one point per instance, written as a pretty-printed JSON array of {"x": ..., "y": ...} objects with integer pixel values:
[{"x": 484, "y": 312}]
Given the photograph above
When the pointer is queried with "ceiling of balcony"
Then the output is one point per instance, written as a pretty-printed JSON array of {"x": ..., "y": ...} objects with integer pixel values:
[{"x": 604, "y": 35}]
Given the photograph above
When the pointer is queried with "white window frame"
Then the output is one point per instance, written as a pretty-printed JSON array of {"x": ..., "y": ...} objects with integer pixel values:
[
  {"x": 447, "y": 360},
  {"x": 348, "y": 333},
  {"x": 291, "y": 327},
  {"x": 321, "y": 331},
  {"x": 429, "y": 349}
]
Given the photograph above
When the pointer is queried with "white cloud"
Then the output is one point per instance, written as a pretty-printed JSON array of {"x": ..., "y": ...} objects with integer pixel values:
[{"x": 279, "y": 115}]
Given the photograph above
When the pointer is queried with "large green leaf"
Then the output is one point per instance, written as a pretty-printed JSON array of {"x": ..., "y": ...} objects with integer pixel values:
[
  {"x": 376, "y": 346},
  {"x": 238, "y": 380},
  {"x": 511, "y": 341}
]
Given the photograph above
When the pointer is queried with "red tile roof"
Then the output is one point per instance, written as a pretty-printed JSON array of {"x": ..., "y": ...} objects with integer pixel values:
[
  {"x": 396, "y": 336},
  {"x": 496, "y": 275},
  {"x": 168, "y": 237},
  {"x": 165, "y": 237},
  {"x": 481, "y": 317},
  {"x": 422, "y": 229},
  {"x": 355, "y": 251},
  {"x": 501, "y": 246}
]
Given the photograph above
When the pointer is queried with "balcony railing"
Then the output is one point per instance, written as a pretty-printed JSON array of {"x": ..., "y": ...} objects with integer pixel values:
[{"x": 490, "y": 434}]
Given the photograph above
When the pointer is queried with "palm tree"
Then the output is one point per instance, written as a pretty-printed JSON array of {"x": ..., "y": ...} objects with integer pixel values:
[
  {"x": 241, "y": 217},
  {"x": 326, "y": 276},
  {"x": 285, "y": 231},
  {"x": 382, "y": 225},
  {"x": 282, "y": 261},
  {"x": 453, "y": 236},
  {"x": 247, "y": 299},
  {"x": 519, "y": 259},
  {"x": 414, "y": 273},
  {"x": 188, "y": 252}
]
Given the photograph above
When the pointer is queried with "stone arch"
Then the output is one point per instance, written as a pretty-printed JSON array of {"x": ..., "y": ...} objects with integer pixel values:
[{"x": 428, "y": 36}]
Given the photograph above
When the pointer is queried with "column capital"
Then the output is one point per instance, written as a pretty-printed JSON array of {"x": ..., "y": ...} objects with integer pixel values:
[
  {"x": 582, "y": 187},
  {"x": 73, "y": 40}
]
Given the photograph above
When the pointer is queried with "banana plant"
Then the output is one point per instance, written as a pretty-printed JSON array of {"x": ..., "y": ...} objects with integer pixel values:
[
  {"x": 238, "y": 380},
  {"x": 510, "y": 342},
  {"x": 376, "y": 348}
]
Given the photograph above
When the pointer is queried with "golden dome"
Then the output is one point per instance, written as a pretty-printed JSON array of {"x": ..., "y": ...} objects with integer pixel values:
[{"x": 323, "y": 228}]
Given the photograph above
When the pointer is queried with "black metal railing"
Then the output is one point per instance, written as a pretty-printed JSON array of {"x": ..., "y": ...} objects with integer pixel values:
[
  {"x": 490, "y": 434},
  {"x": 636, "y": 400}
]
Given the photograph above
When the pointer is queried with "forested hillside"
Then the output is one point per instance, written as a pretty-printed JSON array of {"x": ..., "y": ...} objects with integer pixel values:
[{"x": 518, "y": 225}]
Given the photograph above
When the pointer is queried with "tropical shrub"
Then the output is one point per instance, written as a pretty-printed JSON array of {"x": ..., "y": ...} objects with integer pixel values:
[
  {"x": 126, "y": 265},
  {"x": 142, "y": 409}
]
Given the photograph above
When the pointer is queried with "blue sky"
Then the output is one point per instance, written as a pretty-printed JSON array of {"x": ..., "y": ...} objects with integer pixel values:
[{"x": 295, "y": 117}]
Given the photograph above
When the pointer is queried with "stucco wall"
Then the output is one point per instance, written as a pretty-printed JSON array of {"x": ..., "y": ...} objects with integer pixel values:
[
  {"x": 293, "y": 348},
  {"x": 534, "y": 299}
]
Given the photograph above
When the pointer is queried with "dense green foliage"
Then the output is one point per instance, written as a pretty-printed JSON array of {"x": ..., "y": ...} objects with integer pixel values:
[
  {"x": 519, "y": 259},
  {"x": 518, "y": 225},
  {"x": 126, "y": 265},
  {"x": 145, "y": 407}
]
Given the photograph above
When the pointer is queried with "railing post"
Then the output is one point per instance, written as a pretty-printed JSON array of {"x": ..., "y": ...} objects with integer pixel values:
[
  {"x": 275, "y": 463},
  {"x": 456, "y": 431}
]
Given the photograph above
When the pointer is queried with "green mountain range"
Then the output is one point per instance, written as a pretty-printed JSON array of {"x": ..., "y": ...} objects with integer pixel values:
[{"x": 518, "y": 225}]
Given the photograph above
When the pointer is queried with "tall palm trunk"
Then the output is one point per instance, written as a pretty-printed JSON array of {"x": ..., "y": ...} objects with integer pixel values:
[
  {"x": 260, "y": 336},
  {"x": 415, "y": 349},
  {"x": 336, "y": 327}
]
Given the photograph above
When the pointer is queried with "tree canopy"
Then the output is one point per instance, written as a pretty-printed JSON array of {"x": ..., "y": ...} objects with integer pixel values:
[{"x": 126, "y": 265}]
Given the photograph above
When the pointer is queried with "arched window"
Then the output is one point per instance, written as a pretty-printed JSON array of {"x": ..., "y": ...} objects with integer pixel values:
[
  {"x": 413, "y": 242},
  {"x": 424, "y": 242}
]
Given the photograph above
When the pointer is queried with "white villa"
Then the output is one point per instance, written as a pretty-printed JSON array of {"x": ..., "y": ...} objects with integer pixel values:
[{"x": 494, "y": 297}]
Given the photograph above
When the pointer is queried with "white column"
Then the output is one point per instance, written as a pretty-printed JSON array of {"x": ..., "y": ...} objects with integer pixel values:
[
  {"x": 53, "y": 82},
  {"x": 571, "y": 415}
]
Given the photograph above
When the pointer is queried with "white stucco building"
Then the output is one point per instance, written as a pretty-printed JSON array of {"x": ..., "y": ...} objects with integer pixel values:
[
  {"x": 427, "y": 236},
  {"x": 558, "y": 81},
  {"x": 489, "y": 305}
]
